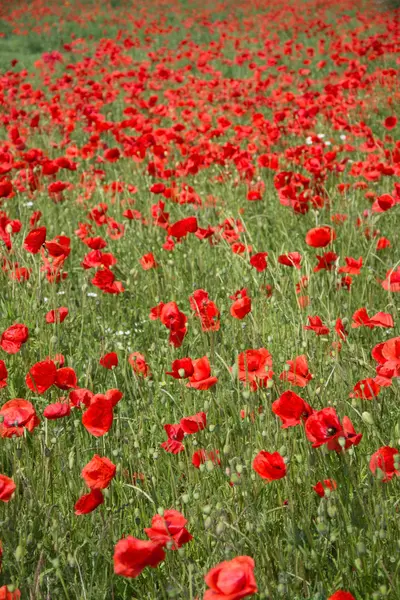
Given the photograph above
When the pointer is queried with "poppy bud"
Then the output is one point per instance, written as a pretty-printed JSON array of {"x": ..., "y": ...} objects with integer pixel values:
[
  {"x": 206, "y": 509},
  {"x": 220, "y": 528},
  {"x": 361, "y": 549},
  {"x": 383, "y": 590},
  {"x": 332, "y": 511},
  {"x": 207, "y": 523},
  {"x": 209, "y": 465},
  {"x": 322, "y": 528},
  {"x": 185, "y": 498},
  {"x": 368, "y": 418},
  {"x": 19, "y": 552}
]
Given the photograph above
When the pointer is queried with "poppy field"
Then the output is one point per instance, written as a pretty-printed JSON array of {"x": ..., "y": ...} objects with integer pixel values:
[{"x": 199, "y": 300}]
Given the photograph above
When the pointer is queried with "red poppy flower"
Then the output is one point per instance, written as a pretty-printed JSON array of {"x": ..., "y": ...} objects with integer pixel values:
[
  {"x": 340, "y": 329},
  {"x": 157, "y": 188},
  {"x": 5, "y": 594},
  {"x": 58, "y": 247},
  {"x": 13, "y": 338},
  {"x": 292, "y": 259},
  {"x": 99, "y": 472},
  {"x": 109, "y": 361},
  {"x": 392, "y": 281},
  {"x": 114, "y": 395},
  {"x": 269, "y": 466},
  {"x": 381, "y": 319},
  {"x": 326, "y": 262},
  {"x": 206, "y": 310},
  {"x": 387, "y": 460},
  {"x": 96, "y": 258},
  {"x": 345, "y": 283},
  {"x": 387, "y": 354},
  {"x": 88, "y": 502},
  {"x": 291, "y": 409},
  {"x": 365, "y": 389},
  {"x": 3, "y": 374},
  {"x": 35, "y": 240},
  {"x": 181, "y": 368},
  {"x": 316, "y": 325},
  {"x": 139, "y": 364},
  {"x": 390, "y": 122},
  {"x": 253, "y": 367},
  {"x": 66, "y": 378},
  {"x": 57, "y": 410},
  {"x": 58, "y": 315},
  {"x": 239, "y": 248},
  {"x": 81, "y": 396},
  {"x": 193, "y": 424},
  {"x": 41, "y": 376},
  {"x": 324, "y": 427},
  {"x": 98, "y": 418},
  {"x": 181, "y": 228},
  {"x": 298, "y": 373},
  {"x": 201, "y": 378},
  {"x": 259, "y": 261},
  {"x": 319, "y": 237},
  {"x": 173, "y": 319},
  {"x": 341, "y": 595},
  {"x": 112, "y": 154},
  {"x": 320, "y": 487},
  {"x": 172, "y": 446},
  {"x": 95, "y": 243},
  {"x": 105, "y": 281},
  {"x": 353, "y": 266},
  {"x": 383, "y": 203},
  {"x": 199, "y": 457},
  {"x": 231, "y": 580},
  {"x": 7, "y": 488},
  {"x": 132, "y": 555},
  {"x": 17, "y": 414},
  {"x": 148, "y": 261},
  {"x": 169, "y": 529},
  {"x": 383, "y": 243},
  {"x": 242, "y": 304},
  {"x": 175, "y": 435}
]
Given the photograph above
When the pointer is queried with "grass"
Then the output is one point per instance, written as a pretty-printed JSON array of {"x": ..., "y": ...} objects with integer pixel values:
[{"x": 304, "y": 546}]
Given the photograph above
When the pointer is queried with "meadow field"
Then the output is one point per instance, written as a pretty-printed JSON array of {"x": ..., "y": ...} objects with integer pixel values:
[{"x": 199, "y": 300}]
